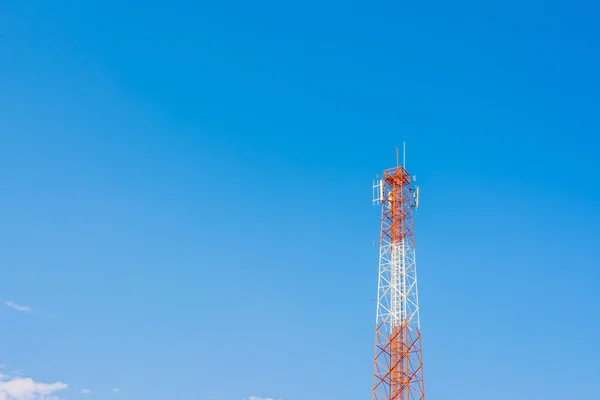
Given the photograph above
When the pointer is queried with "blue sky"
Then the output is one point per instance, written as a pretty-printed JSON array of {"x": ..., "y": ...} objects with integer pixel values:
[{"x": 186, "y": 205}]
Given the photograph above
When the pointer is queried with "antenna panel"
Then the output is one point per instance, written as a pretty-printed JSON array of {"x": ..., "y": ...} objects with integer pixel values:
[
  {"x": 416, "y": 196},
  {"x": 377, "y": 192}
]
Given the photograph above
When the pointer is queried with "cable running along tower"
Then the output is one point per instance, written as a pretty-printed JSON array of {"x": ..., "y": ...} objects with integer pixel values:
[{"x": 398, "y": 358}]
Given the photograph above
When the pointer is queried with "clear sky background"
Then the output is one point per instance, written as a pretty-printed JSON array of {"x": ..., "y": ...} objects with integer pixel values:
[{"x": 185, "y": 195}]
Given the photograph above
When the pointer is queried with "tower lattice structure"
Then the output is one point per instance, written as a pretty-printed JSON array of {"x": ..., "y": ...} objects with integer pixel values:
[{"x": 398, "y": 356}]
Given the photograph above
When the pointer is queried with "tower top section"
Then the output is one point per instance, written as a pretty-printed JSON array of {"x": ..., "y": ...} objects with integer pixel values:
[{"x": 396, "y": 180}]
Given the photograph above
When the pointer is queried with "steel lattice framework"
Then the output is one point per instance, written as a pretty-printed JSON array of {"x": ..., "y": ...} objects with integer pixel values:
[{"x": 398, "y": 357}]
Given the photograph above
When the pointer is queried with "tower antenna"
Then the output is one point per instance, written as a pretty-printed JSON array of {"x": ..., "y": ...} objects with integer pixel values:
[{"x": 398, "y": 373}]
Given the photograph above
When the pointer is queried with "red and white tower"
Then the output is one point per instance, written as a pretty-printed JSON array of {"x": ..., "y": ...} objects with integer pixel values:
[{"x": 398, "y": 357}]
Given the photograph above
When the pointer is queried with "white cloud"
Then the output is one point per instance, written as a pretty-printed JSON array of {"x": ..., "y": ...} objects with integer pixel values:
[
  {"x": 15, "y": 373},
  {"x": 116, "y": 390},
  {"x": 18, "y": 307},
  {"x": 86, "y": 391},
  {"x": 27, "y": 389},
  {"x": 259, "y": 398}
]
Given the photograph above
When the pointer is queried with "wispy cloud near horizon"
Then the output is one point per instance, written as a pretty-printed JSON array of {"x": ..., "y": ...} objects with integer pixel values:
[
  {"x": 28, "y": 389},
  {"x": 18, "y": 307}
]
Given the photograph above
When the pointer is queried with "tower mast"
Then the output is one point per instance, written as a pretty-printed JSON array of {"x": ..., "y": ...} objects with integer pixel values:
[{"x": 398, "y": 357}]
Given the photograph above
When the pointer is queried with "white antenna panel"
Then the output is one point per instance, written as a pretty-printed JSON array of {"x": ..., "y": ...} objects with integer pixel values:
[
  {"x": 377, "y": 192},
  {"x": 416, "y": 196}
]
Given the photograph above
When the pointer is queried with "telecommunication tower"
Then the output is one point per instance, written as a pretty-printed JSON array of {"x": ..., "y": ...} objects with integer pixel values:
[{"x": 398, "y": 357}]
